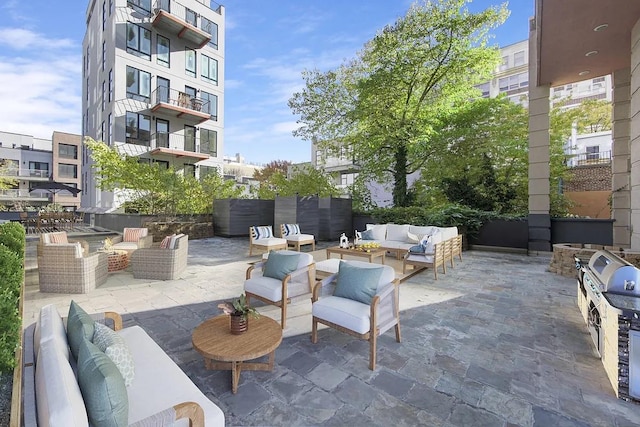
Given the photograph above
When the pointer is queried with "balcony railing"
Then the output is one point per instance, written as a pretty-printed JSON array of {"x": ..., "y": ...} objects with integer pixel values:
[
  {"x": 26, "y": 173},
  {"x": 177, "y": 103},
  {"x": 21, "y": 194},
  {"x": 174, "y": 17},
  {"x": 182, "y": 143},
  {"x": 600, "y": 158}
]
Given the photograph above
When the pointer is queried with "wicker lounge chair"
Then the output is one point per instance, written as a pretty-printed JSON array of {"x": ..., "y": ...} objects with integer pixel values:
[
  {"x": 161, "y": 263},
  {"x": 63, "y": 269}
]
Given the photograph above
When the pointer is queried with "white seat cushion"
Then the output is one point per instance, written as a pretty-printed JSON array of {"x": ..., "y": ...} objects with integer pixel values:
[
  {"x": 126, "y": 246},
  {"x": 344, "y": 312},
  {"x": 272, "y": 241},
  {"x": 392, "y": 244},
  {"x": 299, "y": 237},
  {"x": 265, "y": 287},
  {"x": 427, "y": 259},
  {"x": 159, "y": 383},
  {"x": 328, "y": 266}
]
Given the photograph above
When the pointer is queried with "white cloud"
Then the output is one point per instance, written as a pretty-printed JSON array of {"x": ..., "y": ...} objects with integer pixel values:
[
  {"x": 285, "y": 127},
  {"x": 23, "y": 39}
]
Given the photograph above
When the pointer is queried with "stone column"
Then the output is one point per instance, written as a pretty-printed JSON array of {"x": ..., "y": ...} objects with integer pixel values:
[
  {"x": 621, "y": 159},
  {"x": 634, "y": 136},
  {"x": 539, "y": 169}
]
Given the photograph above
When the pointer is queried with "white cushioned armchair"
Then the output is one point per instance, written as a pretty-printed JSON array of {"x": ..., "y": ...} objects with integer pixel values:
[
  {"x": 293, "y": 282},
  {"x": 262, "y": 237},
  {"x": 133, "y": 239},
  {"x": 291, "y": 233},
  {"x": 356, "y": 317}
]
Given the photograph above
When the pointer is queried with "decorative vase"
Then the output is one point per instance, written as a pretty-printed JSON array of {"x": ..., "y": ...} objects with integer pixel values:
[{"x": 239, "y": 323}]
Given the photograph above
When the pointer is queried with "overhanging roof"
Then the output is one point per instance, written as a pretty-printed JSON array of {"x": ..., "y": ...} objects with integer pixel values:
[
  {"x": 171, "y": 153},
  {"x": 566, "y": 34}
]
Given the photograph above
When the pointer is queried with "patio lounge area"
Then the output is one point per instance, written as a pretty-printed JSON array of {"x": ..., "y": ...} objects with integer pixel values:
[{"x": 495, "y": 341}]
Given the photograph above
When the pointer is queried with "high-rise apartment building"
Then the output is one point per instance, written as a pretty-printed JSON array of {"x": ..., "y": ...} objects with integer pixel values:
[{"x": 153, "y": 86}]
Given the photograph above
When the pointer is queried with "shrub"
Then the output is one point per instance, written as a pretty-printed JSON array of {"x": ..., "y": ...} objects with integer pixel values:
[{"x": 12, "y": 243}]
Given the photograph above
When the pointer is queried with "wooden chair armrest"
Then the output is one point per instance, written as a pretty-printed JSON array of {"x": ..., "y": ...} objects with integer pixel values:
[
  {"x": 303, "y": 270},
  {"x": 321, "y": 284},
  {"x": 254, "y": 266},
  {"x": 192, "y": 411},
  {"x": 117, "y": 319}
]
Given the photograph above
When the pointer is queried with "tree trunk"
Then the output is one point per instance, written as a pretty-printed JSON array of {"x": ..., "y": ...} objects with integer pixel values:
[{"x": 400, "y": 198}]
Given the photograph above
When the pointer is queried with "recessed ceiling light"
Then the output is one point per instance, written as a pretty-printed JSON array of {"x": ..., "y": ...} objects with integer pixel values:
[
  {"x": 591, "y": 53},
  {"x": 601, "y": 27},
  {"x": 584, "y": 73}
]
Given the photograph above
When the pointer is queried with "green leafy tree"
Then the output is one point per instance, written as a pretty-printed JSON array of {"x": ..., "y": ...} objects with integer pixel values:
[
  {"x": 272, "y": 167},
  {"x": 306, "y": 181},
  {"x": 385, "y": 104}
]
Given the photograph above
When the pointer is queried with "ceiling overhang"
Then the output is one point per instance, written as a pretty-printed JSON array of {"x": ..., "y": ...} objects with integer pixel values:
[
  {"x": 171, "y": 153},
  {"x": 569, "y": 47}
]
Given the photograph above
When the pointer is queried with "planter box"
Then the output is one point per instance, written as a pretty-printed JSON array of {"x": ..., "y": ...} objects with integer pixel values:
[
  {"x": 359, "y": 222},
  {"x": 233, "y": 217},
  {"x": 335, "y": 218},
  {"x": 297, "y": 210},
  {"x": 502, "y": 233},
  {"x": 582, "y": 230}
]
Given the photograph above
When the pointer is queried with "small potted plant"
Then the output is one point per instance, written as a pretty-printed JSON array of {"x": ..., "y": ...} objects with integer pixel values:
[
  {"x": 239, "y": 312},
  {"x": 107, "y": 245}
]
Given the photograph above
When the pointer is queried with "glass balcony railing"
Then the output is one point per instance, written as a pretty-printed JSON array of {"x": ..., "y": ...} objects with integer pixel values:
[{"x": 25, "y": 173}]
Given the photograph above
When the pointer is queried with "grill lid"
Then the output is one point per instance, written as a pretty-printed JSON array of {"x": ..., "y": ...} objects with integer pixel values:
[{"x": 615, "y": 274}]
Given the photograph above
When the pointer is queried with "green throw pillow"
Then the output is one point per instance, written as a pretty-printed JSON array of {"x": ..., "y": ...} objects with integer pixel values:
[
  {"x": 79, "y": 326},
  {"x": 357, "y": 283},
  {"x": 102, "y": 386},
  {"x": 278, "y": 265},
  {"x": 114, "y": 346}
]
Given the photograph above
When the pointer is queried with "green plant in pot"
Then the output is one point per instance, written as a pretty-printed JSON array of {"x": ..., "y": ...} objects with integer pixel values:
[{"x": 239, "y": 312}]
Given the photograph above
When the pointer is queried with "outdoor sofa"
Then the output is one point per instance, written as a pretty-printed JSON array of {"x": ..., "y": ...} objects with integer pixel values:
[{"x": 159, "y": 392}]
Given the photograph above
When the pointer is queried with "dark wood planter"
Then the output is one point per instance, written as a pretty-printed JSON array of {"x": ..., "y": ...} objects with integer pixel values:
[{"x": 233, "y": 217}]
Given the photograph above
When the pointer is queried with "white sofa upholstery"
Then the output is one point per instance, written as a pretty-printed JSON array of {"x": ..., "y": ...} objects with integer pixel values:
[{"x": 159, "y": 389}]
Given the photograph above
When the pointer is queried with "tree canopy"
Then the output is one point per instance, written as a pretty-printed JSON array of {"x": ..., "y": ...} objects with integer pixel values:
[
  {"x": 387, "y": 102},
  {"x": 305, "y": 181}
]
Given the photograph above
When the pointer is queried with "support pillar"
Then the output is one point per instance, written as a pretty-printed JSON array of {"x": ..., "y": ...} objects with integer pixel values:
[{"x": 621, "y": 159}]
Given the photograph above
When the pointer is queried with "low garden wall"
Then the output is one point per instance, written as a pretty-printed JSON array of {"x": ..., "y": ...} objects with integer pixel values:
[
  {"x": 563, "y": 263},
  {"x": 195, "y": 230}
]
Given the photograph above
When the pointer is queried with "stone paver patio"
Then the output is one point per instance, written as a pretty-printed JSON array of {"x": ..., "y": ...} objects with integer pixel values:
[{"x": 497, "y": 341}]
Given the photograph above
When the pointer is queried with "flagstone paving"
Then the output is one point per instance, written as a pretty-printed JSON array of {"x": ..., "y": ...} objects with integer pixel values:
[{"x": 496, "y": 341}]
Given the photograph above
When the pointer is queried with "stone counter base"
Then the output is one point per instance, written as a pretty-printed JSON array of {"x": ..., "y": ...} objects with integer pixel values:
[{"x": 563, "y": 263}]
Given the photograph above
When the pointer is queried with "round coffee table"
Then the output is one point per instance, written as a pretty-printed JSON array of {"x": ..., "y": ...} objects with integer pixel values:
[{"x": 222, "y": 350}]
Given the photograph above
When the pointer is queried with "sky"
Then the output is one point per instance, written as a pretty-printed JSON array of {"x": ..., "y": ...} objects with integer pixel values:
[{"x": 268, "y": 46}]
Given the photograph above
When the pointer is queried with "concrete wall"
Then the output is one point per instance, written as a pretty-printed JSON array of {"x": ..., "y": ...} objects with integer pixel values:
[{"x": 634, "y": 136}]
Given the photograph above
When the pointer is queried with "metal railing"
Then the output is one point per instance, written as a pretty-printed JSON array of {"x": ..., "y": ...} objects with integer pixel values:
[
  {"x": 600, "y": 158},
  {"x": 179, "y": 99},
  {"x": 25, "y": 173},
  {"x": 180, "y": 142},
  {"x": 22, "y": 194}
]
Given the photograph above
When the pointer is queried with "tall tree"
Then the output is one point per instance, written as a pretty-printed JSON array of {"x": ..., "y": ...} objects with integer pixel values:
[
  {"x": 386, "y": 103},
  {"x": 272, "y": 167},
  {"x": 306, "y": 181}
]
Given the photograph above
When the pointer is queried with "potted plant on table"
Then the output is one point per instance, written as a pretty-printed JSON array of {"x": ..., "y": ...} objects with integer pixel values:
[{"x": 239, "y": 312}]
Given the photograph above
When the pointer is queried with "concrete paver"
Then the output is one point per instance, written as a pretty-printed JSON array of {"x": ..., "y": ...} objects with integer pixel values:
[{"x": 497, "y": 340}]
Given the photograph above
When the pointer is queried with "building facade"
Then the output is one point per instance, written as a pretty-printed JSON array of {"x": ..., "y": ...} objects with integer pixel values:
[
  {"x": 153, "y": 86},
  {"x": 29, "y": 161}
]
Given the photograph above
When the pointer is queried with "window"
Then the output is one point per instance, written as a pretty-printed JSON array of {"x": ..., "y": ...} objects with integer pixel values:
[
  {"x": 343, "y": 153},
  {"x": 189, "y": 138},
  {"x": 104, "y": 55},
  {"x": 87, "y": 88},
  {"x": 68, "y": 151},
  {"x": 209, "y": 69},
  {"x": 110, "y": 85},
  {"x": 39, "y": 169},
  {"x": 162, "y": 51},
  {"x": 162, "y": 164},
  {"x": 208, "y": 142},
  {"x": 319, "y": 157},
  {"x": 212, "y": 29},
  {"x": 208, "y": 170},
  {"x": 110, "y": 7},
  {"x": 142, "y": 6},
  {"x": 138, "y": 128},
  {"x": 593, "y": 152},
  {"x": 104, "y": 15},
  {"x": 162, "y": 88},
  {"x": 518, "y": 58},
  {"x": 110, "y": 129},
  {"x": 505, "y": 63},
  {"x": 138, "y": 84},
  {"x": 162, "y": 133},
  {"x": 138, "y": 41},
  {"x": 87, "y": 59},
  {"x": 67, "y": 171},
  {"x": 514, "y": 82},
  {"x": 102, "y": 131},
  {"x": 190, "y": 62},
  {"x": 209, "y": 104},
  {"x": 189, "y": 170},
  {"x": 598, "y": 80},
  {"x": 104, "y": 94},
  {"x": 484, "y": 89}
]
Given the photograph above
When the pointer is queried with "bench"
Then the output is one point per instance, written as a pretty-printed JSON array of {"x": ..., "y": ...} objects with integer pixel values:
[{"x": 159, "y": 393}]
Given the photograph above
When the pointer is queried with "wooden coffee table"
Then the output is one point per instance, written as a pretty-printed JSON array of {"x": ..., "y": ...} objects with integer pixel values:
[
  {"x": 371, "y": 254},
  {"x": 222, "y": 350}
]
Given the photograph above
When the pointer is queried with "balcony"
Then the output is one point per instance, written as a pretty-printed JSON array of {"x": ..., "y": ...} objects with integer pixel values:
[
  {"x": 179, "y": 104},
  {"x": 26, "y": 174},
  {"x": 589, "y": 159},
  {"x": 174, "y": 18},
  {"x": 23, "y": 195},
  {"x": 167, "y": 146}
]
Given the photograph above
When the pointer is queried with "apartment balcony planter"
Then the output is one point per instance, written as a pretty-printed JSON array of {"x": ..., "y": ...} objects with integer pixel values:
[{"x": 174, "y": 103}]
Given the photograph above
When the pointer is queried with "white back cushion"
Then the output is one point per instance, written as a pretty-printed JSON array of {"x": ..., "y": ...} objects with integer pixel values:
[
  {"x": 49, "y": 327},
  {"x": 421, "y": 231},
  {"x": 398, "y": 232},
  {"x": 379, "y": 231},
  {"x": 59, "y": 400}
]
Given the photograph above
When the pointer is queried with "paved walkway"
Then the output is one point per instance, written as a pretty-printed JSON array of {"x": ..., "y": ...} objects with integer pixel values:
[{"x": 497, "y": 341}]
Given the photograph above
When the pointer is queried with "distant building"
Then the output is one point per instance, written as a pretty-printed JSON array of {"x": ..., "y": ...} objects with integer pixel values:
[
  {"x": 235, "y": 168},
  {"x": 31, "y": 161},
  {"x": 153, "y": 86}
]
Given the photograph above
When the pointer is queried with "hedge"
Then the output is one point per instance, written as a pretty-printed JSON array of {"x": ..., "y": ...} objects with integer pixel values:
[{"x": 12, "y": 244}]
